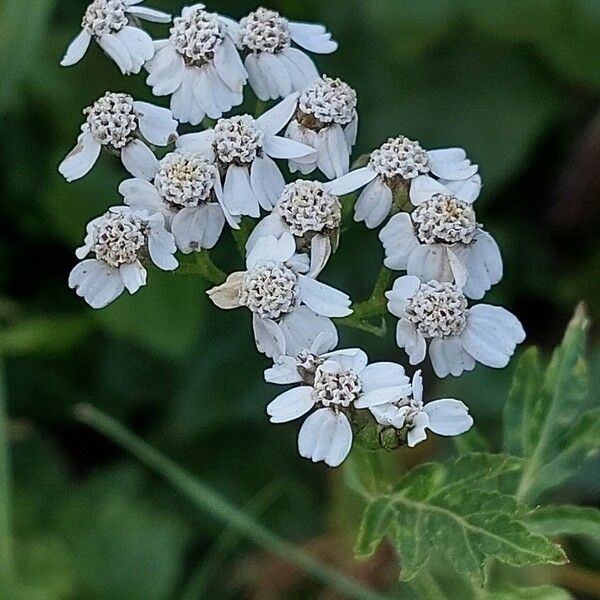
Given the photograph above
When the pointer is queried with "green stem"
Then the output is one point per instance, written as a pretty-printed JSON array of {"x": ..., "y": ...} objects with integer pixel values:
[
  {"x": 6, "y": 562},
  {"x": 211, "y": 501},
  {"x": 201, "y": 264},
  {"x": 260, "y": 108}
]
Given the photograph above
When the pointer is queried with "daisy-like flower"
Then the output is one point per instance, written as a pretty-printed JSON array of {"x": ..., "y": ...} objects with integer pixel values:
[
  {"x": 333, "y": 383},
  {"x": 120, "y": 240},
  {"x": 311, "y": 214},
  {"x": 123, "y": 126},
  {"x": 289, "y": 309},
  {"x": 199, "y": 65},
  {"x": 442, "y": 240},
  {"x": 400, "y": 163},
  {"x": 113, "y": 24},
  {"x": 275, "y": 68},
  {"x": 458, "y": 336},
  {"x": 186, "y": 189},
  {"x": 408, "y": 414},
  {"x": 243, "y": 148},
  {"x": 327, "y": 120}
]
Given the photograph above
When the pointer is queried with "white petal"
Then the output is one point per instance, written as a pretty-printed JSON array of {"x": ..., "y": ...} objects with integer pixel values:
[
  {"x": 272, "y": 225},
  {"x": 325, "y": 435},
  {"x": 229, "y": 65},
  {"x": 139, "y": 160},
  {"x": 333, "y": 158},
  {"x": 291, "y": 404},
  {"x": 166, "y": 71},
  {"x": 198, "y": 227},
  {"x": 467, "y": 189},
  {"x": 324, "y": 342},
  {"x": 323, "y": 299},
  {"x": 423, "y": 187},
  {"x": 149, "y": 14},
  {"x": 283, "y": 371},
  {"x": 275, "y": 74},
  {"x": 413, "y": 342},
  {"x": 200, "y": 142},
  {"x": 320, "y": 251},
  {"x": 300, "y": 68},
  {"x": 140, "y": 194},
  {"x": 275, "y": 119},
  {"x": 448, "y": 357},
  {"x": 269, "y": 337},
  {"x": 399, "y": 241},
  {"x": 81, "y": 159},
  {"x": 96, "y": 282},
  {"x": 77, "y": 49},
  {"x": 133, "y": 276},
  {"x": 256, "y": 79},
  {"x": 267, "y": 181},
  {"x": 430, "y": 261},
  {"x": 448, "y": 416},
  {"x": 351, "y": 181},
  {"x": 185, "y": 105},
  {"x": 404, "y": 288},
  {"x": 390, "y": 415},
  {"x": 227, "y": 295},
  {"x": 417, "y": 386},
  {"x": 491, "y": 335},
  {"x": 312, "y": 37},
  {"x": 238, "y": 195},
  {"x": 383, "y": 395},
  {"x": 161, "y": 244},
  {"x": 280, "y": 147},
  {"x": 157, "y": 124},
  {"x": 270, "y": 248},
  {"x": 383, "y": 375},
  {"x": 352, "y": 359},
  {"x": 351, "y": 132},
  {"x": 302, "y": 329},
  {"x": 418, "y": 432},
  {"x": 117, "y": 51},
  {"x": 298, "y": 133},
  {"x": 139, "y": 45},
  {"x": 374, "y": 203},
  {"x": 451, "y": 163}
]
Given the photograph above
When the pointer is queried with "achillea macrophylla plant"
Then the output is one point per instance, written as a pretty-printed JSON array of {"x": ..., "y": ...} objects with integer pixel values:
[{"x": 226, "y": 172}]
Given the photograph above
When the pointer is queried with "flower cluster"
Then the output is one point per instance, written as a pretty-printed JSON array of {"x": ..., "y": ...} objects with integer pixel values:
[{"x": 227, "y": 173}]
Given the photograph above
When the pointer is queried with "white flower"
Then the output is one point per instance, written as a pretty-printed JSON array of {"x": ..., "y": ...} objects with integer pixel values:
[
  {"x": 402, "y": 163},
  {"x": 442, "y": 240},
  {"x": 333, "y": 383},
  {"x": 112, "y": 23},
  {"x": 311, "y": 214},
  {"x": 327, "y": 120},
  {"x": 120, "y": 239},
  {"x": 199, "y": 65},
  {"x": 186, "y": 189},
  {"x": 438, "y": 312},
  {"x": 407, "y": 412},
  {"x": 120, "y": 124},
  {"x": 275, "y": 68},
  {"x": 289, "y": 308},
  {"x": 243, "y": 148}
]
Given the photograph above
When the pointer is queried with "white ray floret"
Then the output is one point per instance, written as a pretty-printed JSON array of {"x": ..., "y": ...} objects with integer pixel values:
[
  {"x": 327, "y": 120},
  {"x": 403, "y": 163},
  {"x": 119, "y": 124},
  {"x": 407, "y": 413},
  {"x": 442, "y": 240},
  {"x": 113, "y": 24},
  {"x": 199, "y": 66},
  {"x": 289, "y": 308},
  {"x": 275, "y": 68},
  {"x": 186, "y": 189},
  {"x": 311, "y": 214},
  {"x": 458, "y": 335},
  {"x": 244, "y": 148},
  {"x": 120, "y": 240},
  {"x": 333, "y": 383}
]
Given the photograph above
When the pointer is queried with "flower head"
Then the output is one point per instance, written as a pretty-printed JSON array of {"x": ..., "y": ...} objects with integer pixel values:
[
  {"x": 120, "y": 241},
  {"x": 112, "y": 23},
  {"x": 458, "y": 335},
  {"x": 335, "y": 384}
]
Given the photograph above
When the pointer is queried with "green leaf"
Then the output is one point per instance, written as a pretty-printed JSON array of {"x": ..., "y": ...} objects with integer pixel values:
[
  {"x": 457, "y": 509},
  {"x": 545, "y": 419},
  {"x": 542, "y": 592},
  {"x": 566, "y": 520}
]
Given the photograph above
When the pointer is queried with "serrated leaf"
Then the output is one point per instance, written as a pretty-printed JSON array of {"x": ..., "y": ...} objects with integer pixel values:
[
  {"x": 457, "y": 509},
  {"x": 373, "y": 527},
  {"x": 566, "y": 520}
]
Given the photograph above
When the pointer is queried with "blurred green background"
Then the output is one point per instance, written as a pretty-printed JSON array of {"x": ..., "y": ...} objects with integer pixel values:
[{"x": 517, "y": 83}]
